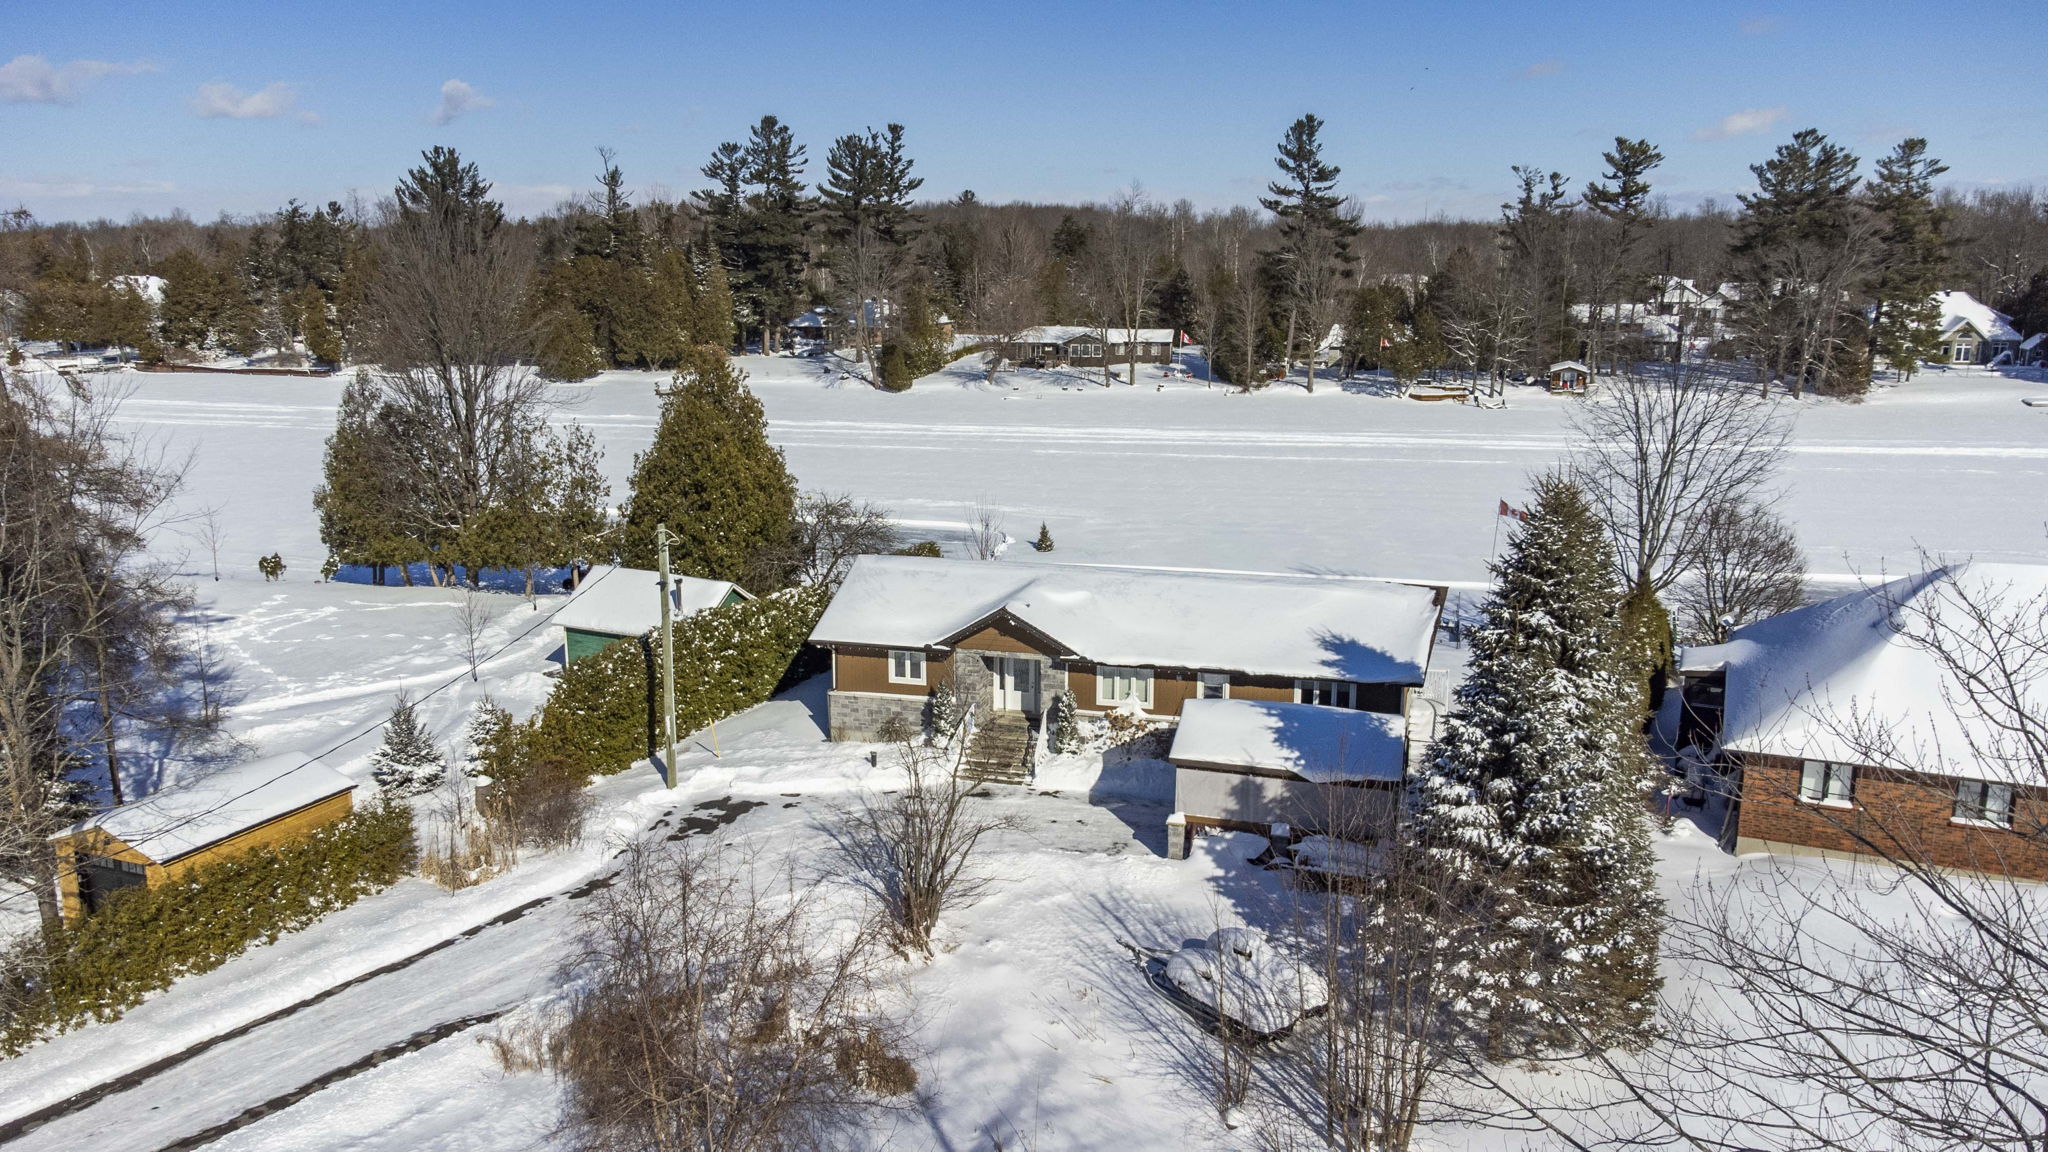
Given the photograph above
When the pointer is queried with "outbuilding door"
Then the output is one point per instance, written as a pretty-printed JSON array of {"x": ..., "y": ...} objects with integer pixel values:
[{"x": 1016, "y": 683}]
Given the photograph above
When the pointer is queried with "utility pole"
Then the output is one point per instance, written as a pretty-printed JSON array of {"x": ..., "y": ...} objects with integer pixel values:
[{"x": 668, "y": 662}]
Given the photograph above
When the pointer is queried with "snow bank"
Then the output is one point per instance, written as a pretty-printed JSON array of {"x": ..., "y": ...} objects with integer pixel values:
[
  {"x": 1237, "y": 974},
  {"x": 1319, "y": 744}
]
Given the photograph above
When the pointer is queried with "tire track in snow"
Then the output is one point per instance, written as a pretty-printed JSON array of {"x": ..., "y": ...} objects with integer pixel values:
[{"x": 706, "y": 817}]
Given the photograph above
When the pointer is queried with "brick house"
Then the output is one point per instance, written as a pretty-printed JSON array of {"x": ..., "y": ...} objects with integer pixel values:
[
  {"x": 1010, "y": 637},
  {"x": 1840, "y": 733}
]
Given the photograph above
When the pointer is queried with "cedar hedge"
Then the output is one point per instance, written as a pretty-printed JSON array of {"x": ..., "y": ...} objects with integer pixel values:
[
  {"x": 145, "y": 938},
  {"x": 604, "y": 714}
]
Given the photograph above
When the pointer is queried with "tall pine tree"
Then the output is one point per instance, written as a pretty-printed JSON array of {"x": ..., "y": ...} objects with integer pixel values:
[
  {"x": 1532, "y": 799},
  {"x": 1912, "y": 257},
  {"x": 714, "y": 479},
  {"x": 1315, "y": 233}
]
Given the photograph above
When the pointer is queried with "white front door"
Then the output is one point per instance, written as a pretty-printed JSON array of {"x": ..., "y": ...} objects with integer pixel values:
[{"x": 1016, "y": 684}]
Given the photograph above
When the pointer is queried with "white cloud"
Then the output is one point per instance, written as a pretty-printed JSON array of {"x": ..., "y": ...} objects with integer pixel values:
[
  {"x": 218, "y": 100},
  {"x": 79, "y": 188},
  {"x": 1747, "y": 122},
  {"x": 34, "y": 80},
  {"x": 458, "y": 97},
  {"x": 1542, "y": 68}
]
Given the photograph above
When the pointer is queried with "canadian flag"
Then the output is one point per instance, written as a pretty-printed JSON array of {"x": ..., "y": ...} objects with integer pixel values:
[
  {"x": 1386, "y": 343},
  {"x": 1185, "y": 338},
  {"x": 1507, "y": 509}
]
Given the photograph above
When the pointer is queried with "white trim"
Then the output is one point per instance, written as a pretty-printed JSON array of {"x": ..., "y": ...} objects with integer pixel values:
[
  {"x": 1966, "y": 822},
  {"x": 1205, "y": 680},
  {"x": 906, "y": 655},
  {"x": 1340, "y": 690},
  {"x": 1141, "y": 678}
]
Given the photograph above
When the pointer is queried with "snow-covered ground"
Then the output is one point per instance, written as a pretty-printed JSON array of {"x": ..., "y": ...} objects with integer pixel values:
[{"x": 1042, "y": 1031}]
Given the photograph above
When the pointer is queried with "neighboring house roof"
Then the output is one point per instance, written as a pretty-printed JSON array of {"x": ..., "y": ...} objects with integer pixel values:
[
  {"x": 184, "y": 818},
  {"x": 1067, "y": 333},
  {"x": 627, "y": 601},
  {"x": 1960, "y": 308},
  {"x": 1827, "y": 681},
  {"x": 1319, "y": 744},
  {"x": 1562, "y": 365},
  {"x": 150, "y": 288},
  {"x": 1370, "y": 631}
]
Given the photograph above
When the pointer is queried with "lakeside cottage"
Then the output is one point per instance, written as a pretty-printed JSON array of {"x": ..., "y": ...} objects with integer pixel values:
[
  {"x": 1839, "y": 733},
  {"x": 1281, "y": 685},
  {"x": 152, "y": 841},
  {"x": 1081, "y": 346},
  {"x": 1974, "y": 333},
  {"x": 614, "y": 604}
]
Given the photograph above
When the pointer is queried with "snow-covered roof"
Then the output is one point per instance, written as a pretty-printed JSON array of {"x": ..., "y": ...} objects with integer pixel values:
[
  {"x": 1826, "y": 681},
  {"x": 1561, "y": 365},
  {"x": 1370, "y": 631},
  {"x": 627, "y": 601},
  {"x": 184, "y": 818},
  {"x": 1065, "y": 333},
  {"x": 1320, "y": 744},
  {"x": 1960, "y": 308},
  {"x": 2033, "y": 342}
]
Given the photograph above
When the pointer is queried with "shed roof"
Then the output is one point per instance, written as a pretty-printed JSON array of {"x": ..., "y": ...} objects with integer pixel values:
[
  {"x": 1850, "y": 677},
  {"x": 1319, "y": 744},
  {"x": 184, "y": 818},
  {"x": 1561, "y": 365},
  {"x": 1370, "y": 631},
  {"x": 627, "y": 601}
]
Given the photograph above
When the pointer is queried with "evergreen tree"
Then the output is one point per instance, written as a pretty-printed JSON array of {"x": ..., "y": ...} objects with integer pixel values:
[
  {"x": 1535, "y": 234},
  {"x": 192, "y": 305},
  {"x": 1623, "y": 201},
  {"x": 1797, "y": 256},
  {"x": 1532, "y": 799},
  {"x": 864, "y": 212},
  {"x": 926, "y": 348},
  {"x": 322, "y": 343},
  {"x": 366, "y": 517},
  {"x": 550, "y": 508},
  {"x": 1912, "y": 258},
  {"x": 1315, "y": 232},
  {"x": 895, "y": 368},
  {"x": 713, "y": 477},
  {"x": 484, "y": 741},
  {"x": 1173, "y": 300},
  {"x": 1044, "y": 541},
  {"x": 408, "y": 763}
]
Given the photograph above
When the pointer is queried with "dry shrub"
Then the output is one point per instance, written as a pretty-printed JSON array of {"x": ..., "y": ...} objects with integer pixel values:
[
  {"x": 541, "y": 807},
  {"x": 709, "y": 1011},
  {"x": 526, "y": 1045}
]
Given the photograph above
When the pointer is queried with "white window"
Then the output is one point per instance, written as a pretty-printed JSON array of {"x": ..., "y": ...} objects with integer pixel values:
[
  {"x": 1963, "y": 353},
  {"x": 1333, "y": 693},
  {"x": 1982, "y": 802},
  {"x": 1116, "y": 686},
  {"x": 1213, "y": 686},
  {"x": 1825, "y": 782},
  {"x": 906, "y": 667}
]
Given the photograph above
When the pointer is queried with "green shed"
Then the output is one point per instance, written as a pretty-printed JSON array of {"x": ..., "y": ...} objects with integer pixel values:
[{"x": 614, "y": 604}]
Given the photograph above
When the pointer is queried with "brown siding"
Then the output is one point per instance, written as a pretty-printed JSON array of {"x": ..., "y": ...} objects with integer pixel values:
[
  {"x": 285, "y": 828},
  {"x": 1004, "y": 636},
  {"x": 867, "y": 670},
  {"x": 1896, "y": 813}
]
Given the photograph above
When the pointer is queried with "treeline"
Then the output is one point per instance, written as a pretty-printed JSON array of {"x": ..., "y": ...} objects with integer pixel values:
[{"x": 1833, "y": 261}]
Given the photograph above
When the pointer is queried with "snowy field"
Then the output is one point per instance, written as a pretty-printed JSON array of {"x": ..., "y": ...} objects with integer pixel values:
[{"x": 1042, "y": 1033}]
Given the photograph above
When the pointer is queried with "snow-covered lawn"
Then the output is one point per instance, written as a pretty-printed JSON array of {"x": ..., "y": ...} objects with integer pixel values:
[{"x": 1041, "y": 1026}]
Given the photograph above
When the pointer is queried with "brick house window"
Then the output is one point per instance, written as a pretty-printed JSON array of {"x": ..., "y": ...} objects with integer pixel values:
[
  {"x": 1332, "y": 693},
  {"x": 906, "y": 667},
  {"x": 1982, "y": 802},
  {"x": 1123, "y": 686},
  {"x": 1826, "y": 782}
]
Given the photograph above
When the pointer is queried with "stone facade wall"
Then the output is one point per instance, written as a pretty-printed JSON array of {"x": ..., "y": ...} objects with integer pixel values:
[
  {"x": 1898, "y": 813},
  {"x": 860, "y": 716}
]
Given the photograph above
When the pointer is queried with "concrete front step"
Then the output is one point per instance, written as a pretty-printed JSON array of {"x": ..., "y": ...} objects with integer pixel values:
[{"x": 1000, "y": 751}]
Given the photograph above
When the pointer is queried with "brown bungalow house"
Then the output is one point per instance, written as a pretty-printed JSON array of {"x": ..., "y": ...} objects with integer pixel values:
[
  {"x": 1010, "y": 637},
  {"x": 254, "y": 805},
  {"x": 1083, "y": 346},
  {"x": 1838, "y": 733}
]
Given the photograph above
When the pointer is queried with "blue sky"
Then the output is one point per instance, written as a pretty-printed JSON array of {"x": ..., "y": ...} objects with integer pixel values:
[{"x": 109, "y": 108}]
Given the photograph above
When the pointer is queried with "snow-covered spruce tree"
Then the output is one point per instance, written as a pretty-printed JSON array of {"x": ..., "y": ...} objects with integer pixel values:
[
  {"x": 488, "y": 727},
  {"x": 1531, "y": 801},
  {"x": 944, "y": 712},
  {"x": 1044, "y": 541},
  {"x": 408, "y": 763}
]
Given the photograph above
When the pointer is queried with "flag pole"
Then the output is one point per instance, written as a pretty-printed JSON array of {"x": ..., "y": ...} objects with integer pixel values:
[{"x": 668, "y": 661}]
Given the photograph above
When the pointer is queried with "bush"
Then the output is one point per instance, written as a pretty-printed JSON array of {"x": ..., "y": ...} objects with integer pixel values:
[
  {"x": 604, "y": 714},
  {"x": 895, "y": 368},
  {"x": 145, "y": 938},
  {"x": 541, "y": 807},
  {"x": 921, "y": 548}
]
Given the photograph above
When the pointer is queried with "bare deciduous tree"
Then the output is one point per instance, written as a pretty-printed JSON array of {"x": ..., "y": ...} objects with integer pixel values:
[
  {"x": 1747, "y": 565},
  {"x": 985, "y": 537},
  {"x": 712, "y": 1012},
  {"x": 831, "y": 529},
  {"x": 472, "y": 615},
  {"x": 1656, "y": 454},
  {"x": 917, "y": 849}
]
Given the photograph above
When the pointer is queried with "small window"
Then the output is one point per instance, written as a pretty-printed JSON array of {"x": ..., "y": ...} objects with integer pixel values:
[
  {"x": 906, "y": 667},
  {"x": 1116, "y": 686},
  {"x": 1330, "y": 693},
  {"x": 1982, "y": 802},
  {"x": 1213, "y": 686},
  {"x": 1825, "y": 782}
]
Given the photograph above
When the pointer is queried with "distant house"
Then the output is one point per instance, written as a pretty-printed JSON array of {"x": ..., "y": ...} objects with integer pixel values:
[
  {"x": 822, "y": 325},
  {"x": 152, "y": 841},
  {"x": 1084, "y": 347},
  {"x": 1569, "y": 376},
  {"x": 1009, "y": 638},
  {"x": 1842, "y": 734},
  {"x": 1973, "y": 333},
  {"x": 613, "y": 604}
]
